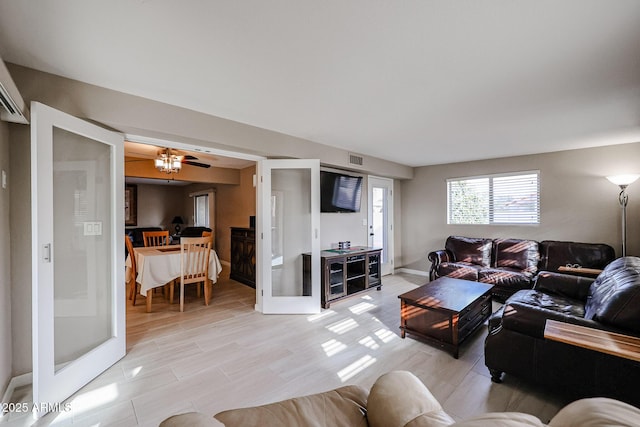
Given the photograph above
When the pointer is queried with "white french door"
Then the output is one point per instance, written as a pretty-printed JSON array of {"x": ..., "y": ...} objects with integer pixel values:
[
  {"x": 380, "y": 197},
  {"x": 78, "y": 312},
  {"x": 288, "y": 226}
]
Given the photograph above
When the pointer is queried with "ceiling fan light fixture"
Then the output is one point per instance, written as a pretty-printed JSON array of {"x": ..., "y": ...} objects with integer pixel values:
[{"x": 168, "y": 163}]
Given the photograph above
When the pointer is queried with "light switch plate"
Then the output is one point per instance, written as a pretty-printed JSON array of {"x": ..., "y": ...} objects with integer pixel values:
[{"x": 92, "y": 228}]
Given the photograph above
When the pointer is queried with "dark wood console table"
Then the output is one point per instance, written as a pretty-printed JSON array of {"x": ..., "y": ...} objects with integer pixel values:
[
  {"x": 243, "y": 255},
  {"x": 345, "y": 272}
]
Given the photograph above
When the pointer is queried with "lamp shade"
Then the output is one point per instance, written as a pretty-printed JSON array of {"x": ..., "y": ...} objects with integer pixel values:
[
  {"x": 623, "y": 180},
  {"x": 177, "y": 220}
]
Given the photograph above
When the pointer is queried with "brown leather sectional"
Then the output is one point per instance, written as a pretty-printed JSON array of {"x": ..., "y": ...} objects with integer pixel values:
[
  {"x": 516, "y": 342},
  {"x": 512, "y": 264}
]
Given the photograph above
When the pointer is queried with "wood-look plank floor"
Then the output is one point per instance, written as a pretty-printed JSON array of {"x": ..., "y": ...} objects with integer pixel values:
[{"x": 227, "y": 355}]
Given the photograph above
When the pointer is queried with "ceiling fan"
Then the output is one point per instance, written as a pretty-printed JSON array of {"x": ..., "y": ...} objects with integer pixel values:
[
  {"x": 169, "y": 160},
  {"x": 181, "y": 156}
]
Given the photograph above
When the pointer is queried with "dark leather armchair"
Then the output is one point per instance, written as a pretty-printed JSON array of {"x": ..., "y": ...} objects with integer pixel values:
[{"x": 516, "y": 344}]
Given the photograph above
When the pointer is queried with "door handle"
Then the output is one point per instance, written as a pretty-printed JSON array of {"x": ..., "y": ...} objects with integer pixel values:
[
  {"x": 370, "y": 234},
  {"x": 46, "y": 252}
]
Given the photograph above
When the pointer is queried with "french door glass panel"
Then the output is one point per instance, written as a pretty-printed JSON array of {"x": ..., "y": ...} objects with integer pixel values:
[
  {"x": 83, "y": 304},
  {"x": 78, "y": 261},
  {"x": 381, "y": 219},
  {"x": 291, "y": 221}
]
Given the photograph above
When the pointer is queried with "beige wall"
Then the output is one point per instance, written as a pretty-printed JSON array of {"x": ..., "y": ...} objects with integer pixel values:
[
  {"x": 5, "y": 275},
  {"x": 234, "y": 205},
  {"x": 20, "y": 201},
  {"x": 345, "y": 226},
  {"x": 143, "y": 117},
  {"x": 577, "y": 202},
  {"x": 158, "y": 204}
]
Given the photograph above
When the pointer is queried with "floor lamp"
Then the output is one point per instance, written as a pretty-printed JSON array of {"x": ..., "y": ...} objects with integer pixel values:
[{"x": 623, "y": 181}]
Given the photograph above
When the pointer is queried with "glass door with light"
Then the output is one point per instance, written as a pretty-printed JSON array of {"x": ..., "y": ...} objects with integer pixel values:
[
  {"x": 78, "y": 312},
  {"x": 380, "y": 213},
  {"x": 288, "y": 225}
]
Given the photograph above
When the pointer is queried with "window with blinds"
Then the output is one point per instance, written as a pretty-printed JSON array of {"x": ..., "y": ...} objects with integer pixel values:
[{"x": 494, "y": 199}]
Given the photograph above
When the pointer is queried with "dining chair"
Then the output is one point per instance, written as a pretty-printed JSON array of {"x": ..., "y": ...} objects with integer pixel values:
[
  {"x": 156, "y": 238},
  {"x": 208, "y": 234},
  {"x": 133, "y": 285},
  {"x": 194, "y": 266}
]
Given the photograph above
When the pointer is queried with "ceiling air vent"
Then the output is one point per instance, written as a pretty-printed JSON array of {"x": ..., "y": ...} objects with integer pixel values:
[{"x": 354, "y": 159}]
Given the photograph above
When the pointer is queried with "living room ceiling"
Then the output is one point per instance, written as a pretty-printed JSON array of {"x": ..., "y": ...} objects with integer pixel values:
[{"x": 417, "y": 82}]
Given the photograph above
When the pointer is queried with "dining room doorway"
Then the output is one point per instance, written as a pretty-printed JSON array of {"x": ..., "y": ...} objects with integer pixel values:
[{"x": 210, "y": 183}]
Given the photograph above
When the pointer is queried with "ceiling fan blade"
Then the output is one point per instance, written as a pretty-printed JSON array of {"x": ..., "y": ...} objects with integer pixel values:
[
  {"x": 200, "y": 165},
  {"x": 190, "y": 157}
]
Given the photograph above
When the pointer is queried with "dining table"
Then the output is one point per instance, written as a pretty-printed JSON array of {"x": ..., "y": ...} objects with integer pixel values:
[{"x": 158, "y": 265}]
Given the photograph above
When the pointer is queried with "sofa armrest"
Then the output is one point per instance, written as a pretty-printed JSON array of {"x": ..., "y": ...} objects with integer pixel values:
[
  {"x": 190, "y": 419},
  {"x": 596, "y": 411},
  {"x": 399, "y": 398},
  {"x": 436, "y": 258},
  {"x": 576, "y": 287}
]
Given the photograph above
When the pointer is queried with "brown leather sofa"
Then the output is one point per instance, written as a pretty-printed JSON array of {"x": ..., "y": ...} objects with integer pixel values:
[
  {"x": 516, "y": 344},
  {"x": 512, "y": 264}
]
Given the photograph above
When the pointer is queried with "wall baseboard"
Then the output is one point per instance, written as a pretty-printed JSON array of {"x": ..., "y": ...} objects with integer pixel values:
[
  {"x": 19, "y": 381},
  {"x": 411, "y": 271}
]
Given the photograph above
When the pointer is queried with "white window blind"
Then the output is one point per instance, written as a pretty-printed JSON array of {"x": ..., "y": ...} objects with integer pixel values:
[
  {"x": 494, "y": 199},
  {"x": 201, "y": 210}
]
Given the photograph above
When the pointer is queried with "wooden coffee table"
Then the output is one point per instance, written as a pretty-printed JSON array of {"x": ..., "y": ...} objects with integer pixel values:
[{"x": 445, "y": 311}]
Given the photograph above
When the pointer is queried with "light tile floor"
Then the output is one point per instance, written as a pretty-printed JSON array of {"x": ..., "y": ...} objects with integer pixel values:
[{"x": 227, "y": 355}]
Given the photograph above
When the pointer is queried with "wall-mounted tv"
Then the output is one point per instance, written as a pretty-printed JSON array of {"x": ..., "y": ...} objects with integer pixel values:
[{"x": 339, "y": 192}]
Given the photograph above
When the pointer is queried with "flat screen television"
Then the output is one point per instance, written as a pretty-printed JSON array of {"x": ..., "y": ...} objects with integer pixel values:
[{"x": 339, "y": 192}]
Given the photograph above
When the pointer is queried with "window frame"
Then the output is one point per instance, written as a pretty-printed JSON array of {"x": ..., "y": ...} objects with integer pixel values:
[
  {"x": 196, "y": 223},
  {"x": 491, "y": 199}
]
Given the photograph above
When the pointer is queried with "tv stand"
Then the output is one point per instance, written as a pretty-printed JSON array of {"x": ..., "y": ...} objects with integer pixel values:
[{"x": 346, "y": 272}]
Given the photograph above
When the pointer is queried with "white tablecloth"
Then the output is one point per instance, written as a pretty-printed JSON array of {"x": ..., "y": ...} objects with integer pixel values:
[{"x": 157, "y": 268}]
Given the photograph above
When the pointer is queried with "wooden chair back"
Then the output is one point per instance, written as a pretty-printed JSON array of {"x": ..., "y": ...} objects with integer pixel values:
[
  {"x": 194, "y": 264},
  {"x": 134, "y": 270},
  {"x": 156, "y": 238}
]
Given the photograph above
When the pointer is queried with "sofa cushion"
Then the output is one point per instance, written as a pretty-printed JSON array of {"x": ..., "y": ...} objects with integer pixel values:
[
  {"x": 501, "y": 419},
  {"x": 614, "y": 297},
  {"x": 517, "y": 254},
  {"x": 459, "y": 270},
  {"x": 506, "y": 277},
  {"x": 416, "y": 408},
  {"x": 342, "y": 407},
  {"x": 527, "y": 311},
  {"x": 471, "y": 250},
  {"x": 556, "y": 254}
]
